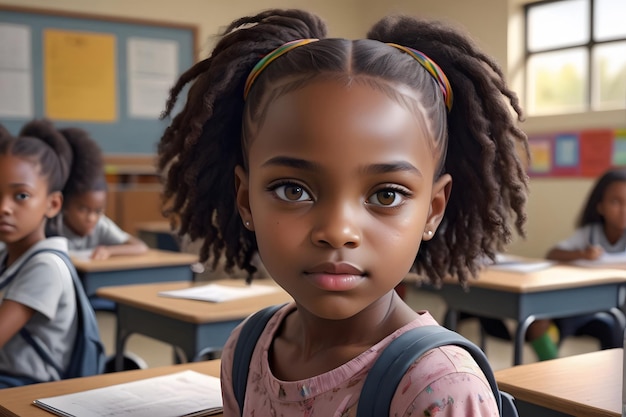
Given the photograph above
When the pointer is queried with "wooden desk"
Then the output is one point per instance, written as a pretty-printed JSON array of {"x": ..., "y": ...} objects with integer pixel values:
[
  {"x": 190, "y": 325},
  {"x": 557, "y": 291},
  {"x": 587, "y": 385},
  {"x": 17, "y": 402},
  {"x": 152, "y": 266}
]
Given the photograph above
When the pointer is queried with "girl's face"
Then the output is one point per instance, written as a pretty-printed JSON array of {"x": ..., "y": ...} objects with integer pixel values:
[
  {"x": 82, "y": 212},
  {"x": 613, "y": 205},
  {"x": 24, "y": 203},
  {"x": 340, "y": 192}
]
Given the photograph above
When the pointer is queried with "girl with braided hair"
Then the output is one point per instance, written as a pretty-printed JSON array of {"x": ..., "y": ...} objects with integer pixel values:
[
  {"x": 345, "y": 164},
  {"x": 37, "y": 291},
  {"x": 82, "y": 220}
]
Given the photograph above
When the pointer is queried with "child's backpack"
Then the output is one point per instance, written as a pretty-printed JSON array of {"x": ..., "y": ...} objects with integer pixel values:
[
  {"x": 384, "y": 377},
  {"x": 88, "y": 352}
]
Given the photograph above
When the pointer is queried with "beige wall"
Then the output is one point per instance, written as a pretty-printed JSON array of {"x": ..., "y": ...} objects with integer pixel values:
[{"x": 495, "y": 24}]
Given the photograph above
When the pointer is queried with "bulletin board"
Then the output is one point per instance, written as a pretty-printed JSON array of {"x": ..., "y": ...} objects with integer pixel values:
[
  {"x": 107, "y": 75},
  {"x": 585, "y": 153}
]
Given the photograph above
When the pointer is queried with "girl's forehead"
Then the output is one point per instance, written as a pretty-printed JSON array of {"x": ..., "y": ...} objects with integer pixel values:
[
  {"x": 616, "y": 187},
  {"x": 15, "y": 165},
  {"x": 334, "y": 118},
  {"x": 314, "y": 94}
]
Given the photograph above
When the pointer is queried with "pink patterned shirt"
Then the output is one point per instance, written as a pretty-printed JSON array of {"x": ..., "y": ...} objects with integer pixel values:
[{"x": 443, "y": 382}]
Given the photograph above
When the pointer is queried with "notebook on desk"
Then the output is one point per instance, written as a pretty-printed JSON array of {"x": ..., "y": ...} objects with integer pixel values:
[
  {"x": 182, "y": 394},
  {"x": 512, "y": 263}
]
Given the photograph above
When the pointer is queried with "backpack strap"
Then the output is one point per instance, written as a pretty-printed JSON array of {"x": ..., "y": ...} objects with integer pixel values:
[
  {"x": 23, "y": 331},
  {"x": 250, "y": 333},
  {"x": 42, "y": 353},
  {"x": 383, "y": 379}
]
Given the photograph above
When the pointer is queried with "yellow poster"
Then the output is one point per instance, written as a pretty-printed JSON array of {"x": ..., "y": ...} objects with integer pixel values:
[{"x": 79, "y": 76}]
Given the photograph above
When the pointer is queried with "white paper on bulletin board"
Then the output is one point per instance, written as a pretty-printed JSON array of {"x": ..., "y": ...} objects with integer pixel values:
[
  {"x": 80, "y": 76},
  {"x": 152, "y": 70},
  {"x": 16, "y": 85}
]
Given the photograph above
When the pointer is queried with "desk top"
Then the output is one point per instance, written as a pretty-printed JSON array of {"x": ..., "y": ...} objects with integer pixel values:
[
  {"x": 17, "y": 402},
  {"x": 154, "y": 258},
  {"x": 581, "y": 385},
  {"x": 145, "y": 297},
  {"x": 555, "y": 277},
  {"x": 552, "y": 278}
]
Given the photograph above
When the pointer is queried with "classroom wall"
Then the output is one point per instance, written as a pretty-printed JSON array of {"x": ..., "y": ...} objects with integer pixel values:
[{"x": 496, "y": 25}]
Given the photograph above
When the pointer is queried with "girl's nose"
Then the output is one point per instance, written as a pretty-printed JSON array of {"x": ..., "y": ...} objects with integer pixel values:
[
  {"x": 336, "y": 227},
  {"x": 5, "y": 205}
]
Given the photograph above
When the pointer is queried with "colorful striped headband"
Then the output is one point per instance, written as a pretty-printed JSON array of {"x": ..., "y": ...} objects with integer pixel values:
[
  {"x": 420, "y": 57},
  {"x": 267, "y": 59},
  {"x": 433, "y": 69}
]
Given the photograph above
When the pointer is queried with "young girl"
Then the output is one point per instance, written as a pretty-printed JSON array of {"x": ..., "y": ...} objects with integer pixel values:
[
  {"x": 40, "y": 298},
  {"x": 346, "y": 155},
  {"x": 82, "y": 220},
  {"x": 602, "y": 224},
  {"x": 601, "y": 229}
]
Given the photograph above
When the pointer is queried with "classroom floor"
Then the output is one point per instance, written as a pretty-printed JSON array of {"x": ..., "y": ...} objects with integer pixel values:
[{"x": 499, "y": 352}]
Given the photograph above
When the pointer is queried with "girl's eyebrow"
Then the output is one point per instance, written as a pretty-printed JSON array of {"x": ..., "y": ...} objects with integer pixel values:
[
  {"x": 396, "y": 166},
  {"x": 20, "y": 185},
  {"x": 383, "y": 168},
  {"x": 292, "y": 163}
]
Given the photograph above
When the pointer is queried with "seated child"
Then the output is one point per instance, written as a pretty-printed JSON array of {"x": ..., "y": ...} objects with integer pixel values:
[
  {"x": 601, "y": 229},
  {"x": 82, "y": 220},
  {"x": 37, "y": 292}
]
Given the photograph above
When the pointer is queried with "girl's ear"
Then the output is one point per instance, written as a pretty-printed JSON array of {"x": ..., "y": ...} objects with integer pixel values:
[
  {"x": 243, "y": 197},
  {"x": 55, "y": 202},
  {"x": 440, "y": 197}
]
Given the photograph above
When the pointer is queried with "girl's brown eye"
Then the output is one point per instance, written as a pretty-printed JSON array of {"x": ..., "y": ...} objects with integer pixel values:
[
  {"x": 386, "y": 197},
  {"x": 292, "y": 192}
]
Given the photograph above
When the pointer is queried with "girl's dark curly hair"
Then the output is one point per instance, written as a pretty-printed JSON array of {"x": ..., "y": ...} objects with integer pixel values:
[
  {"x": 87, "y": 171},
  {"x": 476, "y": 141},
  {"x": 40, "y": 143},
  {"x": 589, "y": 214}
]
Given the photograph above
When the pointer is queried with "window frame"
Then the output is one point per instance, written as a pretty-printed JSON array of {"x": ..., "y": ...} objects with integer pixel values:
[{"x": 589, "y": 46}]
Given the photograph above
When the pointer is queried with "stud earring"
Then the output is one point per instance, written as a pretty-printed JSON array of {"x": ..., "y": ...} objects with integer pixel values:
[
  {"x": 247, "y": 224},
  {"x": 429, "y": 233}
]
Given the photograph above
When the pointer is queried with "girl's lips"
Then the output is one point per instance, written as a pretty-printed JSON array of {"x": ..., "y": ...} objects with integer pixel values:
[
  {"x": 335, "y": 276},
  {"x": 6, "y": 227},
  {"x": 335, "y": 282}
]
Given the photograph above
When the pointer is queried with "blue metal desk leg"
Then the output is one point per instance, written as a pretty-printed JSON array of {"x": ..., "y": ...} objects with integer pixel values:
[
  {"x": 520, "y": 337},
  {"x": 120, "y": 345}
]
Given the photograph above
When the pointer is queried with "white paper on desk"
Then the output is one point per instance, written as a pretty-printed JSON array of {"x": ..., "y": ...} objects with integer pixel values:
[
  {"x": 83, "y": 255},
  {"x": 186, "y": 393},
  {"x": 515, "y": 264},
  {"x": 607, "y": 260},
  {"x": 218, "y": 293}
]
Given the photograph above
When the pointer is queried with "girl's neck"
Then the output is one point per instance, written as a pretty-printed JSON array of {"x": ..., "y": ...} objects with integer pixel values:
[
  {"x": 613, "y": 234},
  {"x": 364, "y": 329},
  {"x": 319, "y": 345}
]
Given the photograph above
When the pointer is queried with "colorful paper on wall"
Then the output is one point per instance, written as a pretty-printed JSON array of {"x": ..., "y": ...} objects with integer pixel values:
[
  {"x": 79, "y": 76},
  {"x": 540, "y": 155},
  {"x": 566, "y": 154},
  {"x": 596, "y": 148}
]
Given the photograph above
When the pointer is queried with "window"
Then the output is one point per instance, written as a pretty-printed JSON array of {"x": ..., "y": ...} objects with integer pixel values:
[{"x": 575, "y": 56}]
